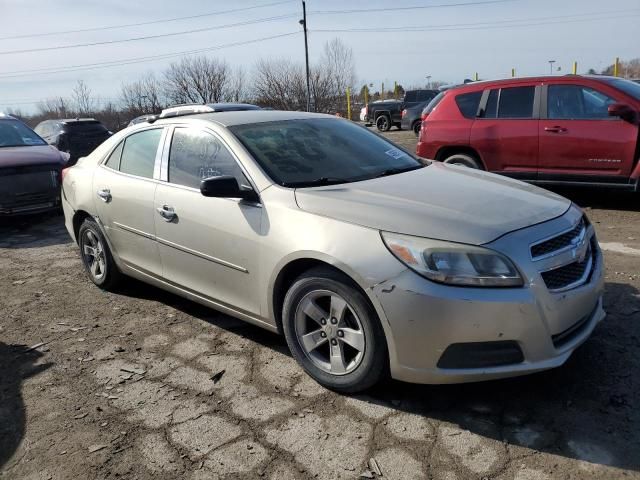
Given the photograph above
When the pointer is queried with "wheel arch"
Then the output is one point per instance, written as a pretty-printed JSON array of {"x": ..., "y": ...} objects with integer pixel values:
[
  {"x": 447, "y": 151},
  {"x": 78, "y": 217}
]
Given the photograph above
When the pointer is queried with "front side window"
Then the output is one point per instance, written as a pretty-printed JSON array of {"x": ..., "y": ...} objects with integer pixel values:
[
  {"x": 321, "y": 151},
  {"x": 577, "y": 102},
  {"x": 196, "y": 155},
  {"x": 139, "y": 153},
  {"x": 14, "y": 133}
]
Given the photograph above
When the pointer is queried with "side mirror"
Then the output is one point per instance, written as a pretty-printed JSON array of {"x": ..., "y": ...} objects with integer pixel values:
[
  {"x": 622, "y": 110},
  {"x": 226, "y": 186}
]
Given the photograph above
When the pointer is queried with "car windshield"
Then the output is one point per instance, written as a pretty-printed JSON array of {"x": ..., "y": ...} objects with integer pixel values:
[
  {"x": 627, "y": 86},
  {"x": 321, "y": 151},
  {"x": 14, "y": 133}
]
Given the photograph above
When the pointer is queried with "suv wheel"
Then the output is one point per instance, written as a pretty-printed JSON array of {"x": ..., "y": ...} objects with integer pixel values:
[
  {"x": 333, "y": 332},
  {"x": 383, "y": 123},
  {"x": 416, "y": 127},
  {"x": 96, "y": 256},
  {"x": 463, "y": 160}
]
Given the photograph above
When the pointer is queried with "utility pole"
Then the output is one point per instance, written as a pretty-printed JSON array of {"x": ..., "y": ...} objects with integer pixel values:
[
  {"x": 551, "y": 62},
  {"x": 303, "y": 22}
]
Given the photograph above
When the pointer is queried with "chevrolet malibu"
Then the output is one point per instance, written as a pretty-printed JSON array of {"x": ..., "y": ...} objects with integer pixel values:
[{"x": 369, "y": 261}]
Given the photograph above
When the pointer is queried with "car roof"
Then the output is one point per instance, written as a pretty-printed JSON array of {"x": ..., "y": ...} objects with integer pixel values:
[
  {"x": 543, "y": 78},
  {"x": 243, "y": 117}
]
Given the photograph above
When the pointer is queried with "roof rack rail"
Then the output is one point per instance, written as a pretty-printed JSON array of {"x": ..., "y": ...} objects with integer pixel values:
[{"x": 181, "y": 110}]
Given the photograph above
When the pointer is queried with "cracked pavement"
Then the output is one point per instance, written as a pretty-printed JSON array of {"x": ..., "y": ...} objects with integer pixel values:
[{"x": 123, "y": 388}]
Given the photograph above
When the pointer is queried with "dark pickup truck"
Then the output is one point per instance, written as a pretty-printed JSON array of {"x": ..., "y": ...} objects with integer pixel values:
[{"x": 387, "y": 113}]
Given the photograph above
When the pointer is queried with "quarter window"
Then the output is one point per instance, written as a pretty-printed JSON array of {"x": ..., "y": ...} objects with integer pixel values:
[
  {"x": 114, "y": 159},
  {"x": 139, "y": 153},
  {"x": 576, "y": 102},
  {"x": 196, "y": 155},
  {"x": 468, "y": 103}
]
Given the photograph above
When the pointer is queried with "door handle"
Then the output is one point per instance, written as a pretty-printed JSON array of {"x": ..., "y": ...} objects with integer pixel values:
[
  {"x": 104, "y": 194},
  {"x": 556, "y": 129},
  {"x": 167, "y": 212}
]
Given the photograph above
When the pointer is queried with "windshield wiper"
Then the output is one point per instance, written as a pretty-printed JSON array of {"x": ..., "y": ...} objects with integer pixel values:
[
  {"x": 318, "y": 182},
  {"x": 393, "y": 171}
]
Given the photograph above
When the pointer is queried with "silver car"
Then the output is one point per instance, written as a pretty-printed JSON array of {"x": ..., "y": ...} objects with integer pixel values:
[{"x": 370, "y": 261}]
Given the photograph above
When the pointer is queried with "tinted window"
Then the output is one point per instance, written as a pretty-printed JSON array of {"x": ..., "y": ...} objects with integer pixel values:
[
  {"x": 299, "y": 153},
  {"x": 516, "y": 102},
  {"x": 114, "y": 159},
  {"x": 85, "y": 127},
  {"x": 196, "y": 155},
  {"x": 492, "y": 104},
  {"x": 411, "y": 96},
  {"x": 139, "y": 153},
  {"x": 426, "y": 95},
  {"x": 468, "y": 104},
  {"x": 576, "y": 102},
  {"x": 433, "y": 103},
  {"x": 14, "y": 133}
]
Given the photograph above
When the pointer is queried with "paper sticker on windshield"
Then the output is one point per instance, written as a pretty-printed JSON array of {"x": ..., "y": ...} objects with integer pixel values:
[{"x": 395, "y": 153}]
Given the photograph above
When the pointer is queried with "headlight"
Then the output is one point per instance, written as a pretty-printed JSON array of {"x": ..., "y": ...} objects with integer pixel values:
[{"x": 453, "y": 263}]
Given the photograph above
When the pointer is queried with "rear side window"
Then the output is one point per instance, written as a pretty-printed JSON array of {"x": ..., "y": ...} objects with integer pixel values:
[
  {"x": 139, "y": 153},
  {"x": 468, "y": 103},
  {"x": 514, "y": 102}
]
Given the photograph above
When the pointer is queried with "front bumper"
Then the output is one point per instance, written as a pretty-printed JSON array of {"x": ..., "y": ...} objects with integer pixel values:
[{"x": 426, "y": 318}]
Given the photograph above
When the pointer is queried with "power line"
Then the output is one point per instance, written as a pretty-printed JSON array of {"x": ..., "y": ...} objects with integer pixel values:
[
  {"x": 151, "y": 22},
  {"x": 417, "y": 7},
  {"x": 116, "y": 63},
  {"x": 524, "y": 22},
  {"x": 149, "y": 37}
]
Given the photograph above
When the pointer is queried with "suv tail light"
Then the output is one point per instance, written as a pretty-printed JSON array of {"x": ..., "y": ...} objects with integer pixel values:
[{"x": 404, "y": 112}]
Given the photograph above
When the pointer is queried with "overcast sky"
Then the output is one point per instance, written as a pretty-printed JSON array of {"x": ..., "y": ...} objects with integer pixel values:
[{"x": 488, "y": 38}]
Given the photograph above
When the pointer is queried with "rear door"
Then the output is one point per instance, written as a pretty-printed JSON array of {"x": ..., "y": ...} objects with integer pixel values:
[
  {"x": 125, "y": 186},
  {"x": 579, "y": 141},
  {"x": 506, "y": 132}
]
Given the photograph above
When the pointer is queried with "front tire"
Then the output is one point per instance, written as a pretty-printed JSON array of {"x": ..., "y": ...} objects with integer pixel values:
[
  {"x": 333, "y": 332},
  {"x": 96, "y": 256}
]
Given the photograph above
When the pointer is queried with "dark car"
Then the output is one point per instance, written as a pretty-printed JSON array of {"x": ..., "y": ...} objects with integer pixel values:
[
  {"x": 76, "y": 136},
  {"x": 412, "y": 117},
  {"x": 30, "y": 170},
  {"x": 387, "y": 113}
]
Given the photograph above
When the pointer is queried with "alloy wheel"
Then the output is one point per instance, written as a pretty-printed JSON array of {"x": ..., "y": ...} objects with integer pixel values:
[
  {"x": 329, "y": 331},
  {"x": 94, "y": 255}
]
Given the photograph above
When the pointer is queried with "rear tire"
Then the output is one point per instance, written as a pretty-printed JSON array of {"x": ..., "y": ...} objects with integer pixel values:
[
  {"x": 416, "y": 128},
  {"x": 383, "y": 123},
  {"x": 333, "y": 332},
  {"x": 96, "y": 256},
  {"x": 464, "y": 160}
]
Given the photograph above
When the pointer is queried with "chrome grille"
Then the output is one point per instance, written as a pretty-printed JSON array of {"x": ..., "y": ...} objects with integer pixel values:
[
  {"x": 573, "y": 274},
  {"x": 558, "y": 242}
]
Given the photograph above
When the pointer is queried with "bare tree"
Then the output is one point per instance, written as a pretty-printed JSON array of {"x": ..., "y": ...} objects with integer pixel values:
[
  {"x": 280, "y": 84},
  {"x": 82, "y": 99},
  {"x": 142, "y": 96},
  {"x": 237, "y": 90},
  {"x": 57, "y": 107},
  {"x": 197, "y": 80}
]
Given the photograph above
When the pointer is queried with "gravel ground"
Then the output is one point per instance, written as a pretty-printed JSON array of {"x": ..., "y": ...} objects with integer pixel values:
[{"x": 122, "y": 387}]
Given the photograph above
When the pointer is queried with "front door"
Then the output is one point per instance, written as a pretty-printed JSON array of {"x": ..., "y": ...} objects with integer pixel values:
[
  {"x": 506, "y": 133},
  {"x": 208, "y": 245},
  {"x": 125, "y": 187},
  {"x": 580, "y": 141}
]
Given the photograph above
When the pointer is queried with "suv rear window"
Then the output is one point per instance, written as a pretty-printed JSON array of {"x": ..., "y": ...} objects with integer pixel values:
[
  {"x": 468, "y": 103},
  {"x": 85, "y": 127}
]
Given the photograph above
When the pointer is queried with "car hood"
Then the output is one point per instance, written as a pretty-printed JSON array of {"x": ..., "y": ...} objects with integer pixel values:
[
  {"x": 442, "y": 202},
  {"x": 30, "y": 155}
]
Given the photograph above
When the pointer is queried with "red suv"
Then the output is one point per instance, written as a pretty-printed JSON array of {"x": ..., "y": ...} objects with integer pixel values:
[{"x": 572, "y": 129}]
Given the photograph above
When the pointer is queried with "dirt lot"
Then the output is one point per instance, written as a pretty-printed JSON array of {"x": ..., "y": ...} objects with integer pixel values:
[{"x": 123, "y": 386}]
